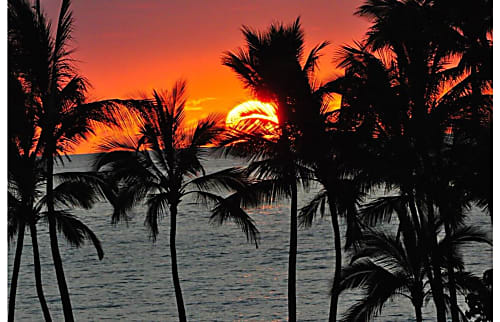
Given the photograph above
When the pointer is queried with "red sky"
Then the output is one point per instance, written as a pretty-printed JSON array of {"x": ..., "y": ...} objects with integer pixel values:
[{"x": 125, "y": 47}]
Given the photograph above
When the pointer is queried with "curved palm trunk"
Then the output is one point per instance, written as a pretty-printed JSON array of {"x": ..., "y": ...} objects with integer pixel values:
[
  {"x": 338, "y": 261},
  {"x": 292, "y": 259},
  {"x": 175, "y": 273},
  {"x": 15, "y": 271},
  {"x": 54, "y": 246},
  {"x": 38, "y": 273},
  {"x": 451, "y": 282}
]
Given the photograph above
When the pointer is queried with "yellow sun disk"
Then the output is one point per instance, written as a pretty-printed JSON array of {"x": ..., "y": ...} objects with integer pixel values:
[{"x": 252, "y": 110}]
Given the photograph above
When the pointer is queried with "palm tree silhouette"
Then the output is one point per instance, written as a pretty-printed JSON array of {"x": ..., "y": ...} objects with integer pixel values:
[
  {"x": 398, "y": 93},
  {"x": 270, "y": 66},
  {"x": 26, "y": 203},
  {"x": 25, "y": 175},
  {"x": 387, "y": 266},
  {"x": 64, "y": 116},
  {"x": 162, "y": 165},
  {"x": 22, "y": 172},
  {"x": 26, "y": 208}
]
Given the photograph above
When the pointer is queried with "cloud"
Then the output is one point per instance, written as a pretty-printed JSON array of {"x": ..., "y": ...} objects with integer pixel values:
[{"x": 195, "y": 104}]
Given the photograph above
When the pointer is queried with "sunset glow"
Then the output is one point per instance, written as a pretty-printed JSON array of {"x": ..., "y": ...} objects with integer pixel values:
[
  {"x": 123, "y": 59},
  {"x": 260, "y": 113}
]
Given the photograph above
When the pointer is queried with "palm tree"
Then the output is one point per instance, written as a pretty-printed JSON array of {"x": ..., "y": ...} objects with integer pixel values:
[
  {"x": 394, "y": 157},
  {"x": 270, "y": 66},
  {"x": 342, "y": 196},
  {"x": 64, "y": 116},
  {"x": 26, "y": 208},
  {"x": 20, "y": 141},
  {"x": 387, "y": 266},
  {"x": 25, "y": 177},
  {"x": 398, "y": 93},
  {"x": 336, "y": 167},
  {"x": 162, "y": 165}
]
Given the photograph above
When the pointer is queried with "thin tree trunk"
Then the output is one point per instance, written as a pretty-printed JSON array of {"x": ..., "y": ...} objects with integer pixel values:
[
  {"x": 54, "y": 246},
  {"x": 175, "y": 273},
  {"x": 292, "y": 259},
  {"x": 418, "y": 313},
  {"x": 451, "y": 282},
  {"x": 338, "y": 261},
  {"x": 15, "y": 271},
  {"x": 38, "y": 273},
  {"x": 437, "y": 283}
]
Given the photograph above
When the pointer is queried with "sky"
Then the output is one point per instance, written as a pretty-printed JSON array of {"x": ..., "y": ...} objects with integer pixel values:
[{"x": 125, "y": 47}]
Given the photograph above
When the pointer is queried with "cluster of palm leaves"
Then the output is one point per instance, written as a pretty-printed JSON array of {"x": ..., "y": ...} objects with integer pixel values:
[{"x": 415, "y": 120}]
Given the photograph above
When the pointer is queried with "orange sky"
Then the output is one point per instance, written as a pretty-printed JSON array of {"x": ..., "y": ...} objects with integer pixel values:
[{"x": 125, "y": 47}]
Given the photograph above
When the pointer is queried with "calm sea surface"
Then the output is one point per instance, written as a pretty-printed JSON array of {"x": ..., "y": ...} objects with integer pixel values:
[{"x": 223, "y": 278}]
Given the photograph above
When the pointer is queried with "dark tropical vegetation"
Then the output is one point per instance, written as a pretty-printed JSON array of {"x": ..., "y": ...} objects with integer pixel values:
[
  {"x": 415, "y": 121},
  {"x": 49, "y": 115}
]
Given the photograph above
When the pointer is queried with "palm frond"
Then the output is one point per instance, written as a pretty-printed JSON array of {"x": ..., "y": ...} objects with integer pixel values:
[
  {"x": 101, "y": 182},
  {"x": 75, "y": 231},
  {"x": 13, "y": 216},
  {"x": 231, "y": 179},
  {"x": 73, "y": 194},
  {"x": 385, "y": 248},
  {"x": 228, "y": 209},
  {"x": 450, "y": 245},
  {"x": 157, "y": 208},
  {"x": 315, "y": 206},
  {"x": 379, "y": 286},
  {"x": 382, "y": 209},
  {"x": 312, "y": 59},
  {"x": 206, "y": 131}
]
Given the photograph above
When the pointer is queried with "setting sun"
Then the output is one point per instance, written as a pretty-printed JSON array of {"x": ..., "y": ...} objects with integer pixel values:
[
  {"x": 260, "y": 113},
  {"x": 262, "y": 117}
]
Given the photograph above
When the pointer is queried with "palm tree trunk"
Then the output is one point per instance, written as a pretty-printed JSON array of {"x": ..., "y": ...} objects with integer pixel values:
[
  {"x": 338, "y": 261},
  {"x": 38, "y": 273},
  {"x": 418, "y": 313},
  {"x": 56, "y": 256},
  {"x": 15, "y": 271},
  {"x": 437, "y": 282},
  {"x": 292, "y": 259},
  {"x": 451, "y": 282},
  {"x": 175, "y": 273}
]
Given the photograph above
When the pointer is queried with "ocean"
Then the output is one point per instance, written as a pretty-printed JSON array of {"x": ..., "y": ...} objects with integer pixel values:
[{"x": 223, "y": 278}]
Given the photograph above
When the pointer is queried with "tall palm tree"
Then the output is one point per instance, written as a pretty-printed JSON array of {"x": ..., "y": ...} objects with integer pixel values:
[
  {"x": 386, "y": 267},
  {"x": 64, "y": 116},
  {"x": 336, "y": 168},
  {"x": 411, "y": 72},
  {"x": 25, "y": 177},
  {"x": 420, "y": 165},
  {"x": 270, "y": 66},
  {"x": 22, "y": 170},
  {"x": 162, "y": 165}
]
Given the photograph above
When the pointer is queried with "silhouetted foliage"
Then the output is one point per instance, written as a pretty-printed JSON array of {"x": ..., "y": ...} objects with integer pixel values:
[{"x": 163, "y": 164}]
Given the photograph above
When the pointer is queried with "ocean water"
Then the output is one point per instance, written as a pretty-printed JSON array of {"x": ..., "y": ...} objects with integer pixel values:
[{"x": 223, "y": 277}]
